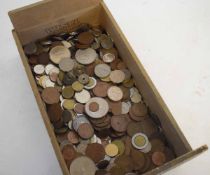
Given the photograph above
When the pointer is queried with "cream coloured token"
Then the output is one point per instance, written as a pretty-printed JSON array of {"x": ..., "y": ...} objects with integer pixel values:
[
  {"x": 54, "y": 70},
  {"x": 102, "y": 70},
  {"x": 91, "y": 84},
  {"x": 117, "y": 76},
  {"x": 108, "y": 57},
  {"x": 83, "y": 96},
  {"x": 86, "y": 56},
  {"x": 48, "y": 68},
  {"x": 125, "y": 107},
  {"x": 115, "y": 93},
  {"x": 49, "y": 83},
  {"x": 66, "y": 44},
  {"x": 102, "y": 110},
  {"x": 58, "y": 53},
  {"x": 39, "y": 69},
  {"x": 135, "y": 95},
  {"x": 66, "y": 64}
]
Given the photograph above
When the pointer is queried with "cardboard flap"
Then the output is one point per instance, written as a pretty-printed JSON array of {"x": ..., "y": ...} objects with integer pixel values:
[{"x": 30, "y": 20}]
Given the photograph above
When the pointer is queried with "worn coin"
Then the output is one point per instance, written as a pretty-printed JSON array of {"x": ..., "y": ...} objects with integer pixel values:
[
  {"x": 68, "y": 104},
  {"x": 66, "y": 64},
  {"x": 117, "y": 76},
  {"x": 73, "y": 137},
  {"x": 50, "y": 95},
  {"x": 77, "y": 86},
  {"x": 83, "y": 79},
  {"x": 85, "y": 131},
  {"x": 115, "y": 93},
  {"x": 119, "y": 123},
  {"x": 54, "y": 112},
  {"x": 102, "y": 70},
  {"x": 108, "y": 57},
  {"x": 158, "y": 158},
  {"x": 101, "y": 88},
  {"x": 85, "y": 38},
  {"x": 68, "y": 92},
  {"x": 83, "y": 96},
  {"x": 30, "y": 48},
  {"x": 96, "y": 152},
  {"x": 86, "y": 56}
]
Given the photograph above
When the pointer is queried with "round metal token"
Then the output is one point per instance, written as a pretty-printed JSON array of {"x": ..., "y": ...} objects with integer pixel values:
[
  {"x": 77, "y": 86},
  {"x": 73, "y": 137},
  {"x": 39, "y": 69},
  {"x": 86, "y": 56},
  {"x": 30, "y": 48},
  {"x": 85, "y": 38},
  {"x": 139, "y": 109},
  {"x": 83, "y": 78},
  {"x": 85, "y": 130},
  {"x": 54, "y": 112},
  {"x": 83, "y": 96},
  {"x": 120, "y": 145},
  {"x": 119, "y": 123},
  {"x": 101, "y": 88},
  {"x": 115, "y": 93},
  {"x": 82, "y": 166},
  {"x": 68, "y": 92},
  {"x": 117, "y": 76},
  {"x": 102, "y": 70},
  {"x": 108, "y": 57},
  {"x": 111, "y": 150},
  {"x": 50, "y": 95},
  {"x": 158, "y": 158},
  {"x": 91, "y": 84},
  {"x": 58, "y": 53},
  {"x": 66, "y": 64},
  {"x": 102, "y": 109}
]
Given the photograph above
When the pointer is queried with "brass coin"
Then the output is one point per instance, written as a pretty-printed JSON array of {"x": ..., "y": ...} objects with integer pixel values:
[
  {"x": 77, "y": 86},
  {"x": 85, "y": 38},
  {"x": 85, "y": 131},
  {"x": 129, "y": 83},
  {"x": 58, "y": 53},
  {"x": 50, "y": 95},
  {"x": 120, "y": 145},
  {"x": 111, "y": 150},
  {"x": 115, "y": 93},
  {"x": 66, "y": 115},
  {"x": 91, "y": 84},
  {"x": 68, "y": 92},
  {"x": 68, "y": 104}
]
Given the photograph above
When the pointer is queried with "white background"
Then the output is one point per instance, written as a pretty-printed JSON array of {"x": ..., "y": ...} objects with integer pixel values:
[{"x": 172, "y": 40}]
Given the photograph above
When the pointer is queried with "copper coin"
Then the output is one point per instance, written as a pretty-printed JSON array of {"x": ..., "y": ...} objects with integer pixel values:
[
  {"x": 89, "y": 69},
  {"x": 147, "y": 165},
  {"x": 116, "y": 108},
  {"x": 117, "y": 170},
  {"x": 85, "y": 38},
  {"x": 50, "y": 95},
  {"x": 128, "y": 145},
  {"x": 33, "y": 60},
  {"x": 121, "y": 65},
  {"x": 69, "y": 152},
  {"x": 43, "y": 58},
  {"x": 58, "y": 124},
  {"x": 85, "y": 131},
  {"x": 126, "y": 92},
  {"x": 125, "y": 162},
  {"x": 95, "y": 151},
  {"x": 113, "y": 64},
  {"x": 139, "y": 109},
  {"x": 119, "y": 123},
  {"x": 67, "y": 116},
  {"x": 135, "y": 118},
  {"x": 101, "y": 88},
  {"x": 81, "y": 46},
  {"x": 73, "y": 137},
  {"x": 133, "y": 128},
  {"x": 101, "y": 172},
  {"x": 93, "y": 106},
  {"x": 169, "y": 154},
  {"x": 157, "y": 145},
  {"x": 158, "y": 158},
  {"x": 115, "y": 93},
  {"x": 55, "y": 112},
  {"x": 149, "y": 127},
  {"x": 79, "y": 108},
  {"x": 138, "y": 159},
  {"x": 82, "y": 166}
]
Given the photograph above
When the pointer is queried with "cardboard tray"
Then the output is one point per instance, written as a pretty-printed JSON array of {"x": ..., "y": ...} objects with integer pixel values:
[{"x": 53, "y": 16}]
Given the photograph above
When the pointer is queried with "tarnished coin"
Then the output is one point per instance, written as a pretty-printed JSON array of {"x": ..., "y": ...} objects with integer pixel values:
[
  {"x": 111, "y": 150},
  {"x": 77, "y": 86},
  {"x": 83, "y": 78},
  {"x": 54, "y": 112},
  {"x": 157, "y": 145},
  {"x": 68, "y": 92},
  {"x": 125, "y": 162},
  {"x": 82, "y": 166},
  {"x": 102, "y": 70},
  {"x": 85, "y": 38},
  {"x": 125, "y": 107},
  {"x": 127, "y": 75},
  {"x": 158, "y": 158},
  {"x": 138, "y": 159},
  {"x": 58, "y": 53},
  {"x": 115, "y": 93},
  {"x": 30, "y": 48},
  {"x": 69, "y": 152},
  {"x": 108, "y": 57},
  {"x": 103, "y": 107},
  {"x": 79, "y": 108},
  {"x": 85, "y": 130},
  {"x": 106, "y": 42},
  {"x": 133, "y": 128},
  {"x": 119, "y": 123},
  {"x": 139, "y": 109},
  {"x": 68, "y": 104},
  {"x": 96, "y": 152},
  {"x": 83, "y": 96},
  {"x": 66, "y": 64},
  {"x": 116, "y": 108},
  {"x": 39, "y": 69},
  {"x": 86, "y": 56},
  {"x": 73, "y": 137},
  {"x": 101, "y": 88},
  {"x": 117, "y": 76},
  {"x": 50, "y": 95},
  {"x": 135, "y": 95},
  {"x": 129, "y": 83},
  {"x": 66, "y": 115},
  {"x": 43, "y": 58}
]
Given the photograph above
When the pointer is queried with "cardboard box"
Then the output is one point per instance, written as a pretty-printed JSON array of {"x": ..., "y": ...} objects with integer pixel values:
[{"x": 53, "y": 16}]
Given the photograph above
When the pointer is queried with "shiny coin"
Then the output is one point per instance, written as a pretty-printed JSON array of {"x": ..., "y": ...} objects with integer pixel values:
[
  {"x": 108, "y": 57},
  {"x": 117, "y": 76},
  {"x": 102, "y": 70},
  {"x": 30, "y": 48},
  {"x": 140, "y": 141},
  {"x": 49, "y": 83},
  {"x": 50, "y": 95},
  {"x": 83, "y": 78},
  {"x": 83, "y": 96},
  {"x": 115, "y": 93},
  {"x": 68, "y": 104},
  {"x": 68, "y": 92},
  {"x": 91, "y": 84},
  {"x": 39, "y": 69},
  {"x": 103, "y": 107},
  {"x": 82, "y": 166},
  {"x": 86, "y": 56},
  {"x": 58, "y": 53},
  {"x": 77, "y": 86},
  {"x": 120, "y": 145},
  {"x": 66, "y": 64},
  {"x": 158, "y": 158},
  {"x": 111, "y": 150},
  {"x": 85, "y": 38},
  {"x": 95, "y": 151}
]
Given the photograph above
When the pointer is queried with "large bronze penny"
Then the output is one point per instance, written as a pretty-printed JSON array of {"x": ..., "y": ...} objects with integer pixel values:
[
  {"x": 50, "y": 95},
  {"x": 44, "y": 58},
  {"x": 69, "y": 152},
  {"x": 95, "y": 151},
  {"x": 55, "y": 112},
  {"x": 119, "y": 123},
  {"x": 85, "y": 38},
  {"x": 101, "y": 88},
  {"x": 85, "y": 131},
  {"x": 139, "y": 109},
  {"x": 138, "y": 159}
]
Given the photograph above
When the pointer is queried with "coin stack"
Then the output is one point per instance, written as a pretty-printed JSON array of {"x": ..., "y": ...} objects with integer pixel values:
[{"x": 99, "y": 117}]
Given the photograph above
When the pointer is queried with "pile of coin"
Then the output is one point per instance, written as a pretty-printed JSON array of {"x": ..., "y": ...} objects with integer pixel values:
[{"x": 99, "y": 117}]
